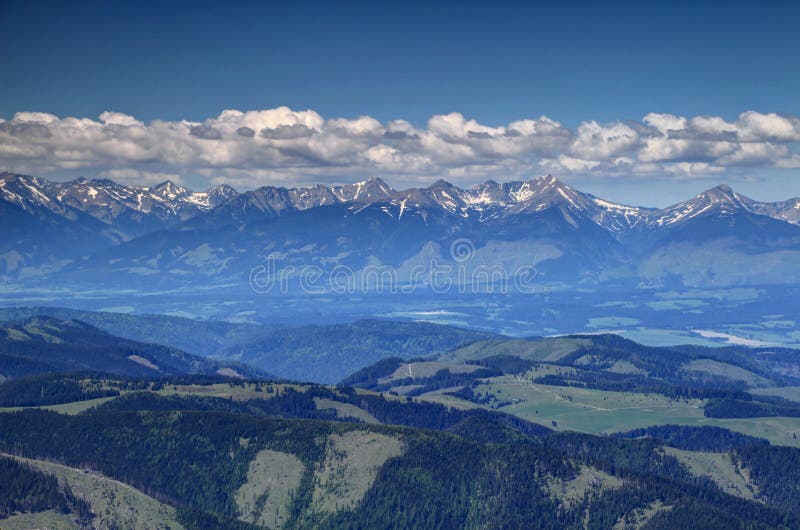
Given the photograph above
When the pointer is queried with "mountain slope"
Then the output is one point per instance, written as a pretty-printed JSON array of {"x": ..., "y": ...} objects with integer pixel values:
[
  {"x": 43, "y": 236},
  {"x": 269, "y": 202},
  {"x": 57, "y": 223},
  {"x": 137, "y": 210},
  {"x": 718, "y": 239},
  {"x": 222, "y": 467},
  {"x": 74, "y": 234},
  {"x": 415, "y": 228},
  {"x": 318, "y": 353},
  {"x": 326, "y": 354},
  {"x": 45, "y": 345},
  {"x": 130, "y": 210},
  {"x": 203, "y": 338},
  {"x": 788, "y": 210}
]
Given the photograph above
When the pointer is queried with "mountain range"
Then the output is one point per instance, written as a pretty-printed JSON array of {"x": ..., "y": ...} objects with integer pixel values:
[{"x": 99, "y": 232}]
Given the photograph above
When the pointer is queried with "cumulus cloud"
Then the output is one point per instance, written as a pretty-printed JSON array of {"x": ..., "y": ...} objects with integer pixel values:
[
  {"x": 117, "y": 118},
  {"x": 665, "y": 123},
  {"x": 287, "y": 132},
  {"x": 205, "y": 132},
  {"x": 604, "y": 142},
  {"x": 287, "y": 146}
]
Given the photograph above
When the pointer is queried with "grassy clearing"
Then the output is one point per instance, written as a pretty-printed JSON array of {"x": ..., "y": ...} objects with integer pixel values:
[
  {"x": 427, "y": 369},
  {"x": 76, "y": 407},
  {"x": 588, "y": 481},
  {"x": 702, "y": 367},
  {"x": 600, "y": 411},
  {"x": 778, "y": 430},
  {"x": 792, "y": 393},
  {"x": 50, "y": 520},
  {"x": 599, "y": 361},
  {"x": 345, "y": 410},
  {"x": 115, "y": 504},
  {"x": 625, "y": 367},
  {"x": 402, "y": 390},
  {"x": 266, "y": 498},
  {"x": 595, "y": 411},
  {"x": 639, "y": 517},
  {"x": 351, "y": 463},
  {"x": 549, "y": 349},
  {"x": 718, "y": 467},
  {"x": 438, "y": 396}
]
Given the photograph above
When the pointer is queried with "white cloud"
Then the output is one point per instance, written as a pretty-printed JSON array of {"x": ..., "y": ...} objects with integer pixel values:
[
  {"x": 118, "y": 118},
  {"x": 286, "y": 146},
  {"x": 361, "y": 126},
  {"x": 576, "y": 165},
  {"x": 693, "y": 169},
  {"x": 754, "y": 126},
  {"x": 455, "y": 127},
  {"x": 665, "y": 122},
  {"x": 35, "y": 117},
  {"x": 602, "y": 142},
  {"x": 660, "y": 148}
]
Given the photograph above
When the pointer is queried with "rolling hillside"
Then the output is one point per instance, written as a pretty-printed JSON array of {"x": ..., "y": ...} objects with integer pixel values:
[
  {"x": 249, "y": 455},
  {"x": 42, "y": 345}
]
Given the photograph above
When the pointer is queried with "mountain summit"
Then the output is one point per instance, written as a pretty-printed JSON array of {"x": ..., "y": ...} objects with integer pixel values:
[
  {"x": 129, "y": 210},
  {"x": 720, "y": 200}
]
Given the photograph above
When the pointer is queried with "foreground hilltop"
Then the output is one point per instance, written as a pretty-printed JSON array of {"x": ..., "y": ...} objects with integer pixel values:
[
  {"x": 449, "y": 428},
  {"x": 204, "y": 454}
]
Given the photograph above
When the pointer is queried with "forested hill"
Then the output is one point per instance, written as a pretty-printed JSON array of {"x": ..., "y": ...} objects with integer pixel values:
[
  {"x": 318, "y": 353},
  {"x": 40, "y": 345},
  {"x": 326, "y": 354},
  {"x": 255, "y": 454},
  {"x": 204, "y": 337}
]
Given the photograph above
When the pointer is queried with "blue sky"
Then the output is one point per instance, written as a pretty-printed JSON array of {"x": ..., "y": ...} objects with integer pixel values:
[{"x": 494, "y": 63}]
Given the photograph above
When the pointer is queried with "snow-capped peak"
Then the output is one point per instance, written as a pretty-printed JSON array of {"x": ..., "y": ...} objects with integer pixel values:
[
  {"x": 449, "y": 197},
  {"x": 168, "y": 190},
  {"x": 722, "y": 194},
  {"x": 364, "y": 191},
  {"x": 28, "y": 192},
  {"x": 490, "y": 193},
  {"x": 212, "y": 197},
  {"x": 721, "y": 199},
  {"x": 134, "y": 209},
  {"x": 130, "y": 209}
]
